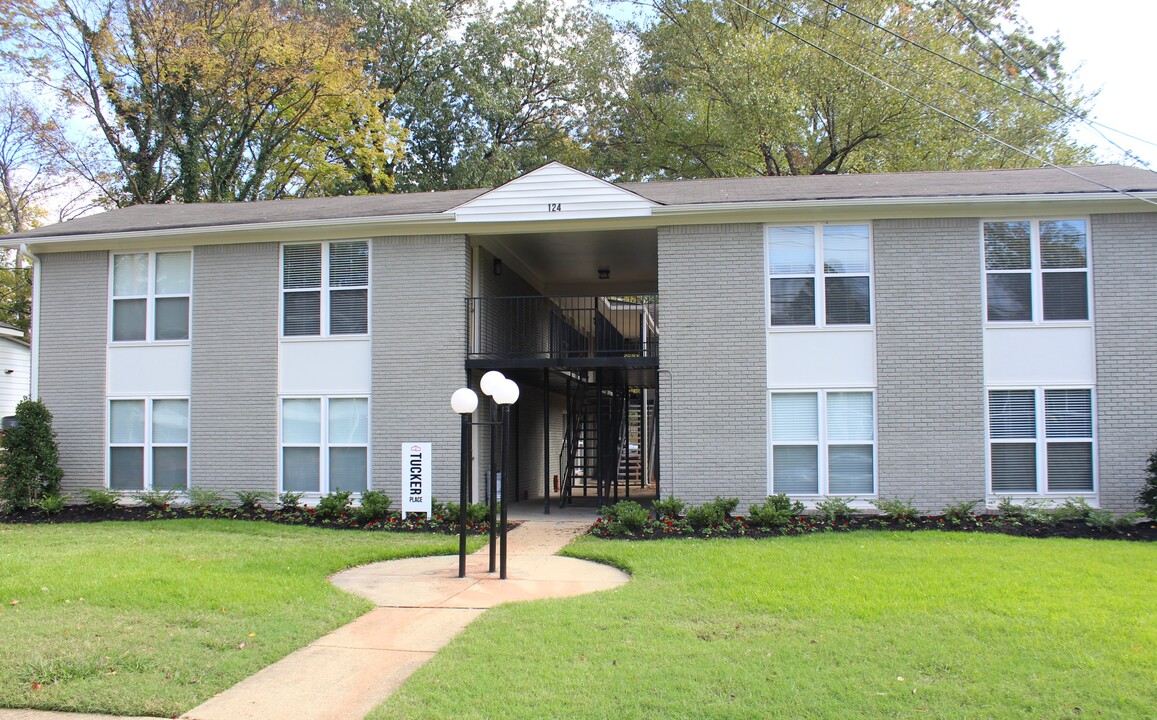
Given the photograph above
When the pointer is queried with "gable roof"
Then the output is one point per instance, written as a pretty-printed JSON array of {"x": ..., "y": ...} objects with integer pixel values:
[{"x": 873, "y": 188}]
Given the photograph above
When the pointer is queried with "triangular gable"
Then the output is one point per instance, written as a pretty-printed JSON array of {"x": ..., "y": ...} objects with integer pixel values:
[{"x": 553, "y": 192}]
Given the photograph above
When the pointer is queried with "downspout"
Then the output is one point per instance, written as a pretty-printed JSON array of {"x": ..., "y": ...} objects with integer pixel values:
[{"x": 34, "y": 327}]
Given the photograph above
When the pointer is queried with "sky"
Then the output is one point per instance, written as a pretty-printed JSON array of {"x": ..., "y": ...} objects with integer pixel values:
[{"x": 1108, "y": 45}]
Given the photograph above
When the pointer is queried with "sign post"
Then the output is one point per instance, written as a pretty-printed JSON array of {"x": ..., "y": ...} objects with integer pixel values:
[{"x": 417, "y": 480}]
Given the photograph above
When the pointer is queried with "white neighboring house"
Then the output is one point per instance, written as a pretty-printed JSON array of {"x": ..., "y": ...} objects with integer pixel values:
[{"x": 15, "y": 369}]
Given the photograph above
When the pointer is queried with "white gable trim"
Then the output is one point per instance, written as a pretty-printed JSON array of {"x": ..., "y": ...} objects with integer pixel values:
[{"x": 553, "y": 192}]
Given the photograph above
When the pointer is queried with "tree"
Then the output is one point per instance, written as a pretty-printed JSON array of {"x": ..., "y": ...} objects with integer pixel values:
[
  {"x": 210, "y": 100},
  {"x": 30, "y": 464},
  {"x": 724, "y": 91}
]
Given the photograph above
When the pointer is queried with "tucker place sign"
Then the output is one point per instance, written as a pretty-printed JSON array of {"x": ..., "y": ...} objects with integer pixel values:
[{"x": 417, "y": 479}]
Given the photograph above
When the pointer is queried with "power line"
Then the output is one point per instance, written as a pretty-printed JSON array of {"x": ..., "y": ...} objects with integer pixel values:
[{"x": 937, "y": 110}]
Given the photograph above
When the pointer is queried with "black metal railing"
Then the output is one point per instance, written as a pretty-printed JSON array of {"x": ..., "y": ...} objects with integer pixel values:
[{"x": 563, "y": 327}]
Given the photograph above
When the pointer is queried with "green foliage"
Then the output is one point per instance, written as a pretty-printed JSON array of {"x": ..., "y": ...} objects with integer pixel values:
[
  {"x": 961, "y": 512},
  {"x": 101, "y": 499},
  {"x": 333, "y": 506},
  {"x": 250, "y": 500},
  {"x": 778, "y": 510},
  {"x": 628, "y": 514},
  {"x": 896, "y": 509},
  {"x": 29, "y": 465},
  {"x": 711, "y": 514},
  {"x": 290, "y": 500},
  {"x": 205, "y": 499},
  {"x": 670, "y": 508},
  {"x": 52, "y": 503},
  {"x": 835, "y": 509},
  {"x": 1147, "y": 497},
  {"x": 375, "y": 505},
  {"x": 1028, "y": 512},
  {"x": 476, "y": 513},
  {"x": 156, "y": 499}
]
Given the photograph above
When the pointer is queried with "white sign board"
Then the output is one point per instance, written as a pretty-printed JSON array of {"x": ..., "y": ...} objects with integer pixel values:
[{"x": 417, "y": 478}]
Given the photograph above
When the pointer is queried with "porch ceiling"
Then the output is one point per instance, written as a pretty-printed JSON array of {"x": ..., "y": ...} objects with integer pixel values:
[{"x": 568, "y": 263}]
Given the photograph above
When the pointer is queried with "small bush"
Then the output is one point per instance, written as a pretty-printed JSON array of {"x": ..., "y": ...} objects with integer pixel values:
[
  {"x": 290, "y": 500},
  {"x": 250, "y": 500},
  {"x": 1147, "y": 498},
  {"x": 52, "y": 503},
  {"x": 333, "y": 506},
  {"x": 961, "y": 512},
  {"x": 671, "y": 508},
  {"x": 205, "y": 499},
  {"x": 103, "y": 500},
  {"x": 375, "y": 505},
  {"x": 30, "y": 463},
  {"x": 629, "y": 514},
  {"x": 1029, "y": 512},
  {"x": 1073, "y": 509},
  {"x": 476, "y": 513},
  {"x": 776, "y": 511},
  {"x": 896, "y": 509},
  {"x": 835, "y": 509},
  {"x": 707, "y": 515},
  {"x": 156, "y": 499}
]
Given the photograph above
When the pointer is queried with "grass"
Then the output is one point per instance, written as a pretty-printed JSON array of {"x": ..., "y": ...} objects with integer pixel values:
[
  {"x": 154, "y": 618},
  {"x": 857, "y": 625}
]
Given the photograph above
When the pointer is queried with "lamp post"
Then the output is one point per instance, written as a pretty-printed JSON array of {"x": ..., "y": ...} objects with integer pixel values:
[
  {"x": 464, "y": 402},
  {"x": 506, "y": 394},
  {"x": 489, "y": 385}
]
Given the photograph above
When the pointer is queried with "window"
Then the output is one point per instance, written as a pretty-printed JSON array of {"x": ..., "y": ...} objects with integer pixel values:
[
  {"x": 325, "y": 289},
  {"x": 148, "y": 444},
  {"x": 819, "y": 275},
  {"x": 150, "y": 296},
  {"x": 1036, "y": 270},
  {"x": 1021, "y": 460},
  {"x": 324, "y": 444},
  {"x": 823, "y": 443}
]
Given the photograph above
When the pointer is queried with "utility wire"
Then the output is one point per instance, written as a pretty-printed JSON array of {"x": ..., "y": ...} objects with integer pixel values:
[{"x": 937, "y": 110}]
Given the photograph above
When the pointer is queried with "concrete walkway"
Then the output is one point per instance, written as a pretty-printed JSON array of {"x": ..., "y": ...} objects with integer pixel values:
[{"x": 421, "y": 604}]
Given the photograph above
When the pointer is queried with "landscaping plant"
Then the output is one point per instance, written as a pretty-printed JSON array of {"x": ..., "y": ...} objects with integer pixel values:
[
  {"x": 29, "y": 465},
  {"x": 835, "y": 509},
  {"x": 1147, "y": 498},
  {"x": 101, "y": 499},
  {"x": 375, "y": 505},
  {"x": 896, "y": 510},
  {"x": 775, "y": 512}
]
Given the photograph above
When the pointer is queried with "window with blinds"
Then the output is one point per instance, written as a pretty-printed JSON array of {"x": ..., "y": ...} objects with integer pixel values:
[
  {"x": 823, "y": 443},
  {"x": 325, "y": 444},
  {"x": 1036, "y": 270},
  {"x": 150, "y": 296},
  {"x": 1022, "y": 458},
  {"x": 819, "y": 275},
  {"x": 148, "y": 444},
  {"x": 325, "y": 289}
]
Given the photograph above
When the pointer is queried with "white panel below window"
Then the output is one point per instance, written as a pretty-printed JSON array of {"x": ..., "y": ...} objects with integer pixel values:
[
  {"x": 325, "y": 367},
  {"x": 1039, "y": 356},
  {"x": 821, "y": 358},
  {"x": 143, "y": 370}
]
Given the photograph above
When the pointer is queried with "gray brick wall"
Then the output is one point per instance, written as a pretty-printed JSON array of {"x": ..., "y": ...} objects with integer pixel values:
[
  {"x": 233, "y": 407},
  {"x": 713, "y": 339},
  {"x": 73, "y": 337},
  {"x": 1125, "y": 311},
  {"x": 418, "y": 337},
  {"x": 929, "y": 360}
]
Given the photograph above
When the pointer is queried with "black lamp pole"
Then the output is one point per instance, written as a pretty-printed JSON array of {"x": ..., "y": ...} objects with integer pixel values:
[
  {"x": 505, "y": 453},
  {"x": 493, "y": 492},
  {"x": 463, "y": 496}
]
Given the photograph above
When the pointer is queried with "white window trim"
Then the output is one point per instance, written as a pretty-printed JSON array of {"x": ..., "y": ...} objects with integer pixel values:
[
  {"x": 822, "y": 442},
  {"x": 325, "y": 289},
  {"x": 150, "y": 298},
  {"x": 148, "y": 443},
  {"x": 324, "y": 444},
  {"x": 1036, "y": 273},
  {"x": 819, "y": 277},
  {"x": 1041, "y": 442}
]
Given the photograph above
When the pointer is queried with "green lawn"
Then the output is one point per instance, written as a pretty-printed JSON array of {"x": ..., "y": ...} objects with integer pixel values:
[
  {"x": 154, "y": 618},
  {"x": 858, "y": 625}
]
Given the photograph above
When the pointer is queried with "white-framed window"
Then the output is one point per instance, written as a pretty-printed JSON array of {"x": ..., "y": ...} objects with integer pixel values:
[
  {"x": 325, "y": 289},
  {"x": 148, "y": 444},
  {"x": 819, "y": 275},
  {"x": 823, "y": 442},
  {"x": 1036, "y": 271},
  {"x": 150, "y": 296},
  {"x": 325, "y": 444},
  {"x": 1041, "y": 441}
]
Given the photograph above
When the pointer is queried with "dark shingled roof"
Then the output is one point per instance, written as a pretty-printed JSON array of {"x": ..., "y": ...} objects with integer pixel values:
[{"x": 881, "y": 186}]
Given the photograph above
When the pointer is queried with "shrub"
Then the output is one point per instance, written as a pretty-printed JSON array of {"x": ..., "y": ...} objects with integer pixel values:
[
  {"x": 476, "y": 513},
  {"x": 671, "y": 508},
  {"x": 30, "y": 463},
  {"x": 375, "y": 505},
  {"x": 1074, "y": 509},
  {"x": 156, "y": 499},
  {"x": 960, "y": 512},
  {"x": 333, "y": 506},
  {"x": 250, "y": 500},
  {"x": 896, "y": 509},
  {"x": 1147, "y": 498},
  {"x": 776, "y": 511},
  {"x": 1029, "y": 512},
  {"x": 51, "y": 503},
  {"x": 290, "y": 500},
  {"x": 711, "y": 514},
  {"x": 835, "y": 509},
  {"x": 627, "y": 513},
  {"x": 103, "y": 500},
  {"x": 205, "y": 499}
]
